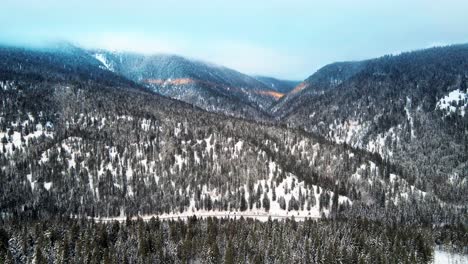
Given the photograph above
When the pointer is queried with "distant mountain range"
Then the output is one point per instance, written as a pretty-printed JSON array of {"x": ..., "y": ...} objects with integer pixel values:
[{"x": 208, "y": 86}]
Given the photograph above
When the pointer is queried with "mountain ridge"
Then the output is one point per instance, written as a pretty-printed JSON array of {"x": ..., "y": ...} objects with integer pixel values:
[
  {"x": 194, "y": 81},
  {"x": 404, "y": 107},
  {"x": 88, "y": 157},
  {"x": 128, "y": 150}
]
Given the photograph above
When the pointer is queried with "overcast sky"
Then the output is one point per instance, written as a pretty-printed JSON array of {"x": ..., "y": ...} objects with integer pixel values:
[{"x": 287, "y": 39}]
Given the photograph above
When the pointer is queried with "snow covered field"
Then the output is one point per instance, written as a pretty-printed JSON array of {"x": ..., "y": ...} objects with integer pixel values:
[{"x": 444, "y": 257}]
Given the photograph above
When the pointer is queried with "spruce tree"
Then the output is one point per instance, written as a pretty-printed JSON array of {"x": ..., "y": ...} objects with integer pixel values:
[{"x": 229, "y": 254}]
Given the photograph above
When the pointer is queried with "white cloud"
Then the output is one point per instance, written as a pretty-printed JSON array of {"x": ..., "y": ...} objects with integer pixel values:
[
  {"x": 255, "y": 59},
  {"x": 134, "y": 42},
  {"x": 244, "y": 57}
]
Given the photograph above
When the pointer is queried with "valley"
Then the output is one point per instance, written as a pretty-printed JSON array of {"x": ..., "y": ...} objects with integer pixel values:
[{"x": 161, "y": 146}]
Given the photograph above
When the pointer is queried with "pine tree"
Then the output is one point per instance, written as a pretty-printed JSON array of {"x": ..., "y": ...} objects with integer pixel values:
[
  {"x": 213, "y": 252},
  {"x": 38, "y": 257},
  {"x": 335, "y": 199},
  {"x": 307, "y": 252},
  {"x": 243, "y": 202},
  {"x": 258, "y": 259},
  {"x": 266, "y": 202},
  {"x": 273, "y": 193},
  {"x": 63, "y": 251},
  {"x": 229, "y": 254},
  {"x": 282, "y": 203},
  {"x": 8, "y": 258},
  {"x": 4, "y": 237}
]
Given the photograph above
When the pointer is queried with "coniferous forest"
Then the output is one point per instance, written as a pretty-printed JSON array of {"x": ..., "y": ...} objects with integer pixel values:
[
  {"x": 98, "y": 165},
  {"x": 215, "y": 241}
]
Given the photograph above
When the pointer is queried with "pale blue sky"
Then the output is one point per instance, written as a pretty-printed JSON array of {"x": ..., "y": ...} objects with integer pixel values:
[{"x": 287, "y": 39}]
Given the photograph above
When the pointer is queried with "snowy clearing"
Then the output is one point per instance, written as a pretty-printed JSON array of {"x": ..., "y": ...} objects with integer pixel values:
[
  {"x": 258, "y": 215},
  {"x": 455, "y": 99},
  {"x": 445, "y": 257}
]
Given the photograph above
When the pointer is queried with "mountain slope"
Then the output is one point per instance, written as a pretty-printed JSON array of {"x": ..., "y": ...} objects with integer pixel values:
[
  {"x": 211, "y": 87},
  {"x": 408, "y": 108},
  {"x": 328, "y": 77},
  {"x": 62, "y": 62},
  {"x": 76, "y": 146},
  {"x": 280, "y": 86}
]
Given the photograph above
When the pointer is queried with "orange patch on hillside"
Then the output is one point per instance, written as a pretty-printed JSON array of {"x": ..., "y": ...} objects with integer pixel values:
[
  {"x": 185, "y": 81},
  {"x": 273, "y": 94},
  {"x": 299, "y": 88}
]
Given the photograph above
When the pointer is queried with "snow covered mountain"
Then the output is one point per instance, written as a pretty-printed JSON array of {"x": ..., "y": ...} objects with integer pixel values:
[
  {"x": 409, "y": 108},
  {"x": 208, "y": 86},
  {"x": 378, "y": 149},
  {"x": 79, "y": 140}
]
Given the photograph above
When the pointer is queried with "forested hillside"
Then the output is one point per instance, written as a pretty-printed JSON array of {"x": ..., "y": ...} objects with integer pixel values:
[
  {"x": 76, "y": 146},
  {"x": 326, "y": 78},
  {"x": 409, "y": 108},
  {"x": 78, "y": 141},
  {"x": 211, "y": 87}
]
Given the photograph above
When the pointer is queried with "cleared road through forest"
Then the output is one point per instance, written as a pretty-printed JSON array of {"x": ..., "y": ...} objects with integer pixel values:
[{"x": 230, "y": 215}]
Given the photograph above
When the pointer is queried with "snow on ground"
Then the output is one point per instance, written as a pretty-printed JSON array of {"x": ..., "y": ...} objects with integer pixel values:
[
  {"x": 258, "y": 215},
  {"x": 445, "y": 257},
  {"x": 14, "y": 140},
  {"x": 7, "y": 85},
  {"x": 287, "y": 188},
  {"x": 409, "y": 116},
  {"x": 102, "y": 58},
  {"x": 379, "y": 143},
  {"x": 47, "y": 185},
  {"x": 353, "y": 128},
  {"x": 393, "y": 177},
  {"x": 359, "y": 171},
  {"x": 208, "y": 144},
  {"x": 348, "y": 132},
  {"x": 238, "y": 147},
  {"x": 451, "y": 100},
  {"x": 125, "y": 117},
  {"x": 353, "y": 131},
  {"x": 405, "y": 189},
  {"x": 179, "y": 161},
  {"x": 29, "y": 177}
]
